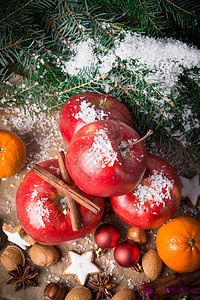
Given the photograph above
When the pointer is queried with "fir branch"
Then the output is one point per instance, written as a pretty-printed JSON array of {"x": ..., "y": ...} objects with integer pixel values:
[
  {"x": 11, "y": 45},
  {"x": 71, "y": 13},
  {"x": 185, "y": 11},
  {"x": 91, "y": 16},
  {"x": 54, "y": 28},
  {"x": 138, "y": 90},
  {"x": 76, "y": 87},
  {"x": 15, "y": 11},
  {"x": 157, "y": 91},
  {"x": 38, "y": 42},
  {"x": 148, "y": 15}
]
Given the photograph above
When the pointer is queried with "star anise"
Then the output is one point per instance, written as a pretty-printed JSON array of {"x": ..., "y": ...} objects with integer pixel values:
[
  {"x": 102, "y": 286},
  {"x": 22, "y": 277}
]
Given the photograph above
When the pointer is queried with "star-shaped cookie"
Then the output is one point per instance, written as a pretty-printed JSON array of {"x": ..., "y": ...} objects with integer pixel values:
[
  {"x": 191, "y": 189},
  {"x": 17, "y": 235},
  {"x": 81, "y": 265}
]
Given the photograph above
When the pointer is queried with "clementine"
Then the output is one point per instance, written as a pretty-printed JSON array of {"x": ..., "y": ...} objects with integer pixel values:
[
  {"x": 178, "y": 244},
  {"x": 12, "y": 153}
]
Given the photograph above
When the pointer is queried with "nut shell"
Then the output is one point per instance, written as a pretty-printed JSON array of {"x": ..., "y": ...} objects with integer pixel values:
[
  {"x": 79, "y": 293},
  {"x": 137, "y": 235},
  {"x": 152, "y": 264},
  {"x": 44, "y": 255},
  {"x": 54, "y": 291},
  {"x": 11, "y": 257},
  {"x": 126, "y": 294}
]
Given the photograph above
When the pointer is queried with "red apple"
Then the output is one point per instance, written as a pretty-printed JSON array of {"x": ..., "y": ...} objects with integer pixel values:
[
  {"x": 42, "y": 210},
  {"x": 99, "y": 161},
  {"x": 154, "y": 200},
  {"x": 82, "y": 109}
]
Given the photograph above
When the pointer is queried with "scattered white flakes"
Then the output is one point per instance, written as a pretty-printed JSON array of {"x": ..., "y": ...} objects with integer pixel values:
[
  {"x": 54, "y": 168},
  {"x": 124, "y": 147},
  {"x": 40, "y": 212},
  {"x": 53, "y": 277},
  {"x": 159, "y": 190},
  {"x": 63, "y": 203},
  {"x": 7, "y": 209},
  {"x": 88, "y": 243},
  {"x": 131, "y": 284},
  {"x": 42, "y": 133},
  {"x": 83, "y": 58},
  {"x": 64, "y": 259},
  {"x": 89, "y": 114},
  {"x": 102, "y": 151},
  {"x": 164, "y": 56},
  {"x": 33, "y": 195},
  {"x": 57, "y": 278},
  {"x": 189, "y": 211}
]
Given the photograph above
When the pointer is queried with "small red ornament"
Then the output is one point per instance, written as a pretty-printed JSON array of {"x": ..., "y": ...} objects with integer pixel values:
[
  {"x": 106, "y": 236},
  {"x": 127, "y": 254}
]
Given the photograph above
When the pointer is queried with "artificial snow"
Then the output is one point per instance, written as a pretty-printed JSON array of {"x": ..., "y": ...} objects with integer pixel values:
[
  {"x": 88, "y": 113},
  {"x": 164, "y": 57},
  {"x": 42, "y": 132},
  {"x": 101, "y": 150},
  {"x": 157, "y": 192}
]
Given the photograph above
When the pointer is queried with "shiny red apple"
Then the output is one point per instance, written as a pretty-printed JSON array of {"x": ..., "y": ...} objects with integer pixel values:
[
  {"x": 42, "y": 210},
  {"x": 154, "y": 200},
  {"x": 102, "y": 160},
  {"x": 82, "y": 109}
]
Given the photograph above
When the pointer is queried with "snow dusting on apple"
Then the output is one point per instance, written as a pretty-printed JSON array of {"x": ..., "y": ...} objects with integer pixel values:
[
  {"x": 97, "y": 155},
  {"x": 42, "y": 210},
  {"x": 154, "y": 200},
  {"x": 82, "y": 109}
]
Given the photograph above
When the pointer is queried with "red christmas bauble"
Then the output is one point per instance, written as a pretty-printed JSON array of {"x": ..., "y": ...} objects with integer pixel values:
[
  {"x": 106, "y": 236},
  {"x": 127, "y": 254}
]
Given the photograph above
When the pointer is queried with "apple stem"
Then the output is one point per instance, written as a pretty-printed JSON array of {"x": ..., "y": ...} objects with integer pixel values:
[{"x": 150, "y": 132}]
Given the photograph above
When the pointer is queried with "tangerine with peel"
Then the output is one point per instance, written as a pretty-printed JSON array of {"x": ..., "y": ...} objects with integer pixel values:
[
  {"x": 178, "y": 244},
  {"x": 12, "y": 153}
]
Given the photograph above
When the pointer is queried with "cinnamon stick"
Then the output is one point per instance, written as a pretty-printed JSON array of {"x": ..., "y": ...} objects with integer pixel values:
[
  {"x": 72, "y": 205},
  {"x": 158, "y": 285},
  {"x": 65, "y": 188}
]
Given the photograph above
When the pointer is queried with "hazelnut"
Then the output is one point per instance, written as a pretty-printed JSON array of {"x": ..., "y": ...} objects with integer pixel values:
[
  {"x": 137, "y": 235},
  {"x": 126, "y": 294},
  {"x": 152, "y": 264},
  {"x": 44, "y": 255},
  {"x": 11, "y": 257},
  {"x": 79, "y": 293},
  {"x": 54, "y": 291}
]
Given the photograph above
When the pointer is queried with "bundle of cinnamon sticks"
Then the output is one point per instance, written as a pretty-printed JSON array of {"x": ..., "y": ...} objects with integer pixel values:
[{"x": 162, "y": 288}]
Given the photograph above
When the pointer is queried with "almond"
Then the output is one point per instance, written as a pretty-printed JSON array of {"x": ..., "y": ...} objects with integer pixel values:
[
  {"x": 79, "y": 293},
  {"x": 152, "y": 264},
  {"x": 126, "y": 294}
]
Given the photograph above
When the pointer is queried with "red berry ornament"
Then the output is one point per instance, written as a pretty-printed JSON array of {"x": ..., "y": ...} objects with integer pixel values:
[
  {"x": 106, "y": 236},
  {"x": 127, "y": 254}
]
